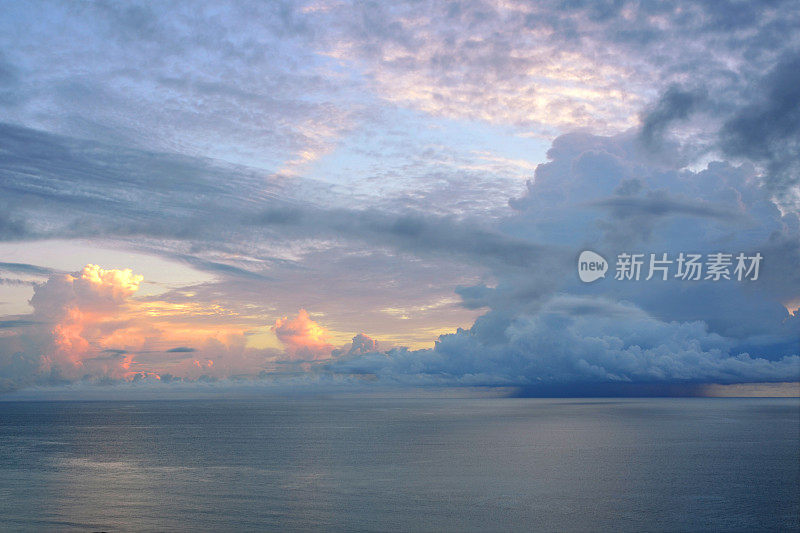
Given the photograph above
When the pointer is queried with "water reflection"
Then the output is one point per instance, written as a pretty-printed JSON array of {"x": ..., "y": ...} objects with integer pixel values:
[{"x": 431, "y": 464}]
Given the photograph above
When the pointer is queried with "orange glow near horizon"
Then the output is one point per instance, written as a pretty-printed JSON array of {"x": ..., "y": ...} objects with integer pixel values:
[{"x": 99, "y": 329}]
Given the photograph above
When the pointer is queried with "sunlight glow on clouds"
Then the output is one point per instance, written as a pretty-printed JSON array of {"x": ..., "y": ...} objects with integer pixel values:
[
  {"x": 91, "y": 326},
  {"x": 420, "y": 176},
  {"x": 113, "y": 284},
  {"x": 304, "y": 339},
  {"x": 80, "y": 305}
]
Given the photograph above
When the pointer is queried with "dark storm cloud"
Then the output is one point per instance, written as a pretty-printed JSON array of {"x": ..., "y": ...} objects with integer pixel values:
[
  {"x": 558, "y": 346},
  {"x": 550, "y": 332},
  {"x": 751, "y": 116},
  {"x": 673, "y": 106},
  {"x": 768, "y": 130}
]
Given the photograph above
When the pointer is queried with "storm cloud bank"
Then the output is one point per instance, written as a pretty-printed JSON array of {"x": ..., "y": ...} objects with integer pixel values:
[{"x": 605, "y": 194}]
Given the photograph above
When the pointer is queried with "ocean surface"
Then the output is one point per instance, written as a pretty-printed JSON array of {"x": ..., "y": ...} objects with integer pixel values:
[{"x": 376, "y": 464}]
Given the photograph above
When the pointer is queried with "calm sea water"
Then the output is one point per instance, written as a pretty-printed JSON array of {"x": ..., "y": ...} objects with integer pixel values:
[{"x": 367, "y": 464}]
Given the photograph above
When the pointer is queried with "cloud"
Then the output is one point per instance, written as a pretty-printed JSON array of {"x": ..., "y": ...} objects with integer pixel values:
[
  {"x": 114, "y": 284},
  {"x": 362, "y": 344},
  {"x": 181, "y": 349},
  {"x": 412, "y": 231},
  {"x": 546, "y": 329},
  {"x": 768, "y": 129},
  {"x": 210, "y": 208},
  {"x": 93, "y": 289},
  {"x": 24, "y": 268},
  {"x": 416, "y": 122},
  {"x": 253, "y": 67},
  {"x": 553, "y": 66},
  {"x": 77, "y": 306},
  {"x": 674, "y": 105},
  {"x": 304, "y": 339},
  {"x": 634, "y": 216},
  {"x": 283, "y": 85},
  {"x": 604, "y": 343},
  {"x": 752, "y": 117},
  {"x": 659, "y": 204},
  {"x": 89, "y": 326},
  {"x": 16, "y": 323},
  {"x": 657, "y": 208},
  {"x": 12, "y": 229},
  {"x": 482, "y": 61}
]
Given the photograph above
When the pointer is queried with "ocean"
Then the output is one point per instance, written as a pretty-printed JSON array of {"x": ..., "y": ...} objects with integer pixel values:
[{"x": 400, "y": 464}]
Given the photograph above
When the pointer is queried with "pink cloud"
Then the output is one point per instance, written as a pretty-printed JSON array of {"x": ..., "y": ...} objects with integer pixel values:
[{"x": 303, "y": 338}]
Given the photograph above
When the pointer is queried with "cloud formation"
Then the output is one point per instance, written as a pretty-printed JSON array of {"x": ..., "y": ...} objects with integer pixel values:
[
  {"x": 368, "y": 162},
  {"x": 575, "y": 341},
  {"x": 606, "y": 194},
  {"x": 768, "y": 130},
  {"x": 77, "y": 308},
  {"x": 89, "y": 326},
  {"x": 303, "y": 338}
]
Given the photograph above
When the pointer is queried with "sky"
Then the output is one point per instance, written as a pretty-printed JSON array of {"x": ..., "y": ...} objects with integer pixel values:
[{"x": 365, "y": 195}]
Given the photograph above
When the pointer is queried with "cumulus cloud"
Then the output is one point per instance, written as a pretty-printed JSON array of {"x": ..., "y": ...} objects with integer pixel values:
[
  {"x": 360, "y": 345},
  {"x": 574, "y": 341},
  {"x": 607, "y": 194},
  {"x": 303, "y": 338},
  {"x": 89, "y": 325},
  {"x": 77, "y": 307},
  {"x": 113, "y": 284},
  {"x": 753, "y": 119}
]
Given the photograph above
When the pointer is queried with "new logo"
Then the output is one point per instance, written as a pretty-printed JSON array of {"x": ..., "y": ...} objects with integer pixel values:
[{"x": 591, "y": 266}]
